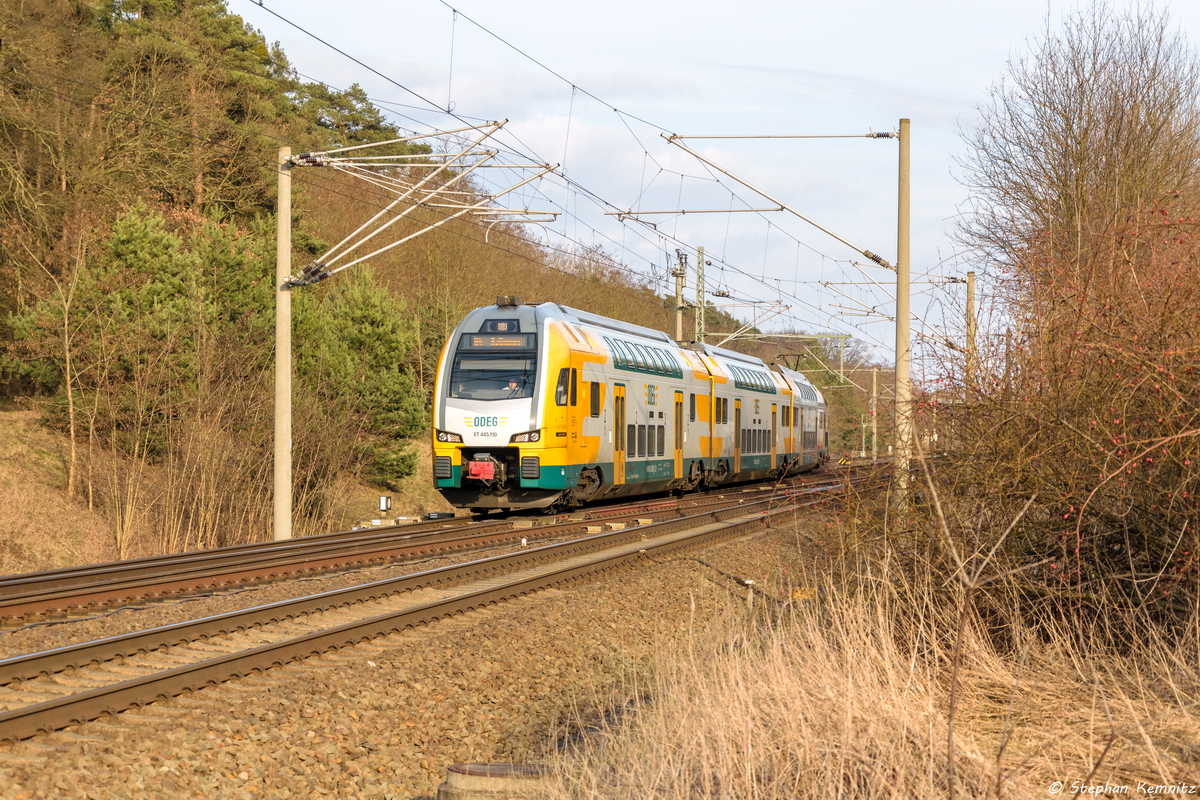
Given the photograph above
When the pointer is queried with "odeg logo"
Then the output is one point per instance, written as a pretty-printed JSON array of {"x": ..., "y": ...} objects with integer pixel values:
[{"x": 484, "y": 422}]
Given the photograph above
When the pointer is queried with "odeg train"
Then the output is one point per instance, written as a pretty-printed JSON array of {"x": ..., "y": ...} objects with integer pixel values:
[{"x": 547, "y": 407}]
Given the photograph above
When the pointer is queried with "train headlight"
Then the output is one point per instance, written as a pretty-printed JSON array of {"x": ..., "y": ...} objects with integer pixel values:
[
  {"x": 445, "y": 436},
  {"x": 523, "y": 438}
]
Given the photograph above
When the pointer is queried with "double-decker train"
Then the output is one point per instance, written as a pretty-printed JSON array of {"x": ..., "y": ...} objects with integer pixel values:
[{"x": 542, "y": 406}]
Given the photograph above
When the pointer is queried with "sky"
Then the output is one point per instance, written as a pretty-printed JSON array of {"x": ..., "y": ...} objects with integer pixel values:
[{"x": 593, "y": 87}]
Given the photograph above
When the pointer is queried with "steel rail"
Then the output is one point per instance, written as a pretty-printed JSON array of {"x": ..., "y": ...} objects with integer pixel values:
[
  {"x": 625, "y": 547},
  {"x": 173, "y": 579},
  {"x": 134, "y": 566},
  {"x": 156, "y": 578},
  {"x": 47, "y": 662}
]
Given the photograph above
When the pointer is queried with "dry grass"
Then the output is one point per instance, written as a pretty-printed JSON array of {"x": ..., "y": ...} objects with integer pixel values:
[
  {"x": 40, "y": 528},
  {"x": 851, "y": 695},
  {"x": 417, "y": 493}
]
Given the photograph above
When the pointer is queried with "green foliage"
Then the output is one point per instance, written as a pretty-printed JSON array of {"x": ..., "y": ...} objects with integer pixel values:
[
  {"x": 353, "y": 345},
  {"x": 160, "y": 335},
  {"x": 132, "y": 321},
  {"x": 173, "y": 103},
  {"x": 345, "y": 118}
]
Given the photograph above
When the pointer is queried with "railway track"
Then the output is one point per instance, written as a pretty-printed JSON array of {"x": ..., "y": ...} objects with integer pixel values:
[
  {"x": 83, "y": 592},
  {"x": 57, "y": 688}
]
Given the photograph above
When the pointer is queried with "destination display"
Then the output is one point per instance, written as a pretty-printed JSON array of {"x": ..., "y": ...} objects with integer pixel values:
[{"x": 495, "y": 341}]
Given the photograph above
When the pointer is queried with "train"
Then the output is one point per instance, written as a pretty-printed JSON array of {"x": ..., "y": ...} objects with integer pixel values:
[{"x": 548, "y": 407}]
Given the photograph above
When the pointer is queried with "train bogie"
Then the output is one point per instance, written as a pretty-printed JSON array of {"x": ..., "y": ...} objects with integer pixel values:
[{"x": 548, "y": 407}]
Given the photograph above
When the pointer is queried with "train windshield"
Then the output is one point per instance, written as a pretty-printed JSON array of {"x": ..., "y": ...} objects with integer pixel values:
[{"x": 494, "y": 367}]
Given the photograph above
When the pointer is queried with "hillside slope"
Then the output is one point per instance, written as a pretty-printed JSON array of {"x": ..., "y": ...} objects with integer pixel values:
[{"x": 40, "y": 527}]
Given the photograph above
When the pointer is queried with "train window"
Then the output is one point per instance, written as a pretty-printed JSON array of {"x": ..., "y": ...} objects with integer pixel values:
[
  {"x": 492, "y": 376},
  {"x": 595, "y": 398},
  {"x": 574, "y": 387},
  {"x": 561, "y": 391},
  {"x": 649, "y": 359},
  {"x": 662, "y": 440},
  {"x": 630, "y": 355},
  {"x": 652, "y": 360},
  {"x": 618, "y": 356},
  {"x": 672, "y": 365},
  {"x": 664, "y": 363},
  {"x": 639, "y": 357},
  {"x": 656, "y": 361},
  {"x": 641, "y": 441},
  {"x": 692, "y": 407},
  {"x": 631, "y": 440}
]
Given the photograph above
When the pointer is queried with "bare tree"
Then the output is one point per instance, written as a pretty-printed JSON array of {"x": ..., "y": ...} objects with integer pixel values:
[{"x": 1098, "y": 121}]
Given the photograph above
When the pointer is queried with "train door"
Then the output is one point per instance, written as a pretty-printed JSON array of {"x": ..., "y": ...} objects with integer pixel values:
[
  {"x": 737, "y": 435},
  {"x": 774, "y": 436},
  {"x": 619, "y": 443},
  {"x": 789, "y": 433},
  {"x": 712, "y": 451},
  {"x": 803, "y": 437},
  {"x": 678, "y": 434}
]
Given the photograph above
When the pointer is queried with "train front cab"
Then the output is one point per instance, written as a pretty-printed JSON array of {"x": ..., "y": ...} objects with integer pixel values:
[
  {"x": 535, "y": 450},
  {"x": 488, "y": 438}
]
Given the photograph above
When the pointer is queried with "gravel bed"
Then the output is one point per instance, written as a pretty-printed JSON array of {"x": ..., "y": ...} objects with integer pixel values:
[{"x": 386, "y": 718}]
